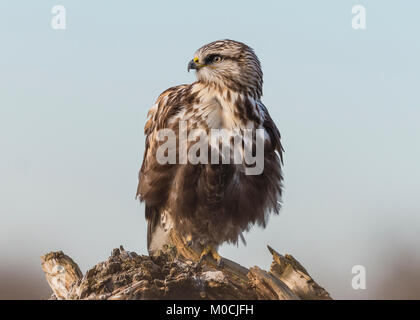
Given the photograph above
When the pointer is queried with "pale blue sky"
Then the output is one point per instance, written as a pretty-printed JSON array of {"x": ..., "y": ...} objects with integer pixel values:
[{"x": 73, "y": 105}]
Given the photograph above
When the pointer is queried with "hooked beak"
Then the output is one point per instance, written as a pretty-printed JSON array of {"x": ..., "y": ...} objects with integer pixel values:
[
  {"x": 192, "y": 65},
  {"x": 195, "y": 64}
]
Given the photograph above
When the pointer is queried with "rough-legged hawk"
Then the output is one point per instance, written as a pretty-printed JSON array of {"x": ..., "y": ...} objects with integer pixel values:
[{"x": 203, "y": 173}]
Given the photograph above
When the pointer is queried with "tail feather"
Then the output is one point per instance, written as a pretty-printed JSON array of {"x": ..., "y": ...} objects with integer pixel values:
[{"x": 157, "y": 229}]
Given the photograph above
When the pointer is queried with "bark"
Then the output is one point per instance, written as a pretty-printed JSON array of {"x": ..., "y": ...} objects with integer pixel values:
[{"x": 175, "y": 273}]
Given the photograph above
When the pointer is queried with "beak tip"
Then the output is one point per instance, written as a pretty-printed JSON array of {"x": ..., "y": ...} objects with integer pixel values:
[{"x": 191, "y": 65}]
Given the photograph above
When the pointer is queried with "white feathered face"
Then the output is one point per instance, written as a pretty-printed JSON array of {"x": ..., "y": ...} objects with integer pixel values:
[{"x": 228, "y": 63}]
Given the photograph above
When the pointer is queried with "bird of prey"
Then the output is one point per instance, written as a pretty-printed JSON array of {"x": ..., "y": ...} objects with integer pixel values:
[{"x": 214, "y": 202}]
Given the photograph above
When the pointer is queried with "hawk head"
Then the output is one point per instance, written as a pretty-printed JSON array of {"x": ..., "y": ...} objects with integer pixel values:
[{"x": 229, "y": 63}]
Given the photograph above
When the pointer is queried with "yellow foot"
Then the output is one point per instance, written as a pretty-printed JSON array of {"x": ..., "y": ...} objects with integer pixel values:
[
  {"x": 209, "y": 250},
  {"x": 188, "y": 240}
]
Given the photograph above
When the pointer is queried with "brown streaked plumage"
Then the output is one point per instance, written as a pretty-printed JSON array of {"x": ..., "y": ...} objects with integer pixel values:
[{"x": 211, "y": 203}]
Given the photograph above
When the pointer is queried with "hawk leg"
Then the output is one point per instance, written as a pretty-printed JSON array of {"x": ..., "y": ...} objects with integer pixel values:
[
  {"x": 210, "y": 251},
  {"x": 188, "y": 240}
]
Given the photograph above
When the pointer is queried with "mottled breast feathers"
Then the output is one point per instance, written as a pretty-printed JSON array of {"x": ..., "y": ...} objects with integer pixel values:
[
  {"x": 212, "y": 202},
  {"x": 211, "y": 197}
]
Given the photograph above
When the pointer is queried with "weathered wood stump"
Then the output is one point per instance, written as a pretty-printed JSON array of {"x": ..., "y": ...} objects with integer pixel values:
[{"x": 174, "y": 273}]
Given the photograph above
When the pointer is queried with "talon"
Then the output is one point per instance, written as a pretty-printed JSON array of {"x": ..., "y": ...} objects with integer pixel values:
[
  {"x": 220, "y": 262},
  {"x": 188, "y": 240},
  {"x": 210, "y": 250},
  {"x": 217, "y": 258},
  {"x": 205, "y": 252}
]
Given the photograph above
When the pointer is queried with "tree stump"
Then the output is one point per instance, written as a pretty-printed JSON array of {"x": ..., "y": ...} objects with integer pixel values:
[{"x": 175, "y": 273}]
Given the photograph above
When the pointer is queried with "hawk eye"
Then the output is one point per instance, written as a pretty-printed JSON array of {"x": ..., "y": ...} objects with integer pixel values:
[
  {"x": 216, "y": 59},
  {"x": 213, "y": 58}
]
